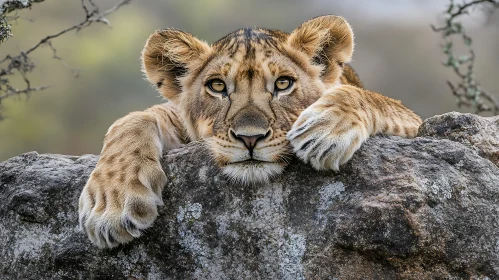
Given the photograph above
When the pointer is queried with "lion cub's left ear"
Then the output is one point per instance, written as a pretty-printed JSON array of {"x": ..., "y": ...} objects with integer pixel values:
[{"x": 327, "y": 40}]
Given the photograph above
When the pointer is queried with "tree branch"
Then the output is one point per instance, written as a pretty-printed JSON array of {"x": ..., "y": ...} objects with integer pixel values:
[
  {"x": 21, "y": 64},
  {"x": 467, "y": 90}
]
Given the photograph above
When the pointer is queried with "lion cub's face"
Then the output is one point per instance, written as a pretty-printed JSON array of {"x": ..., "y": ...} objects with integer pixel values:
[{"x": 243, "y": 93}]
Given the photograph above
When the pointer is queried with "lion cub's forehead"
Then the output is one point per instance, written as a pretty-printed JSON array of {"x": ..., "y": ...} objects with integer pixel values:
[
  {"x": 244, "y": 51},
  {"x": 249, "y": 41}
]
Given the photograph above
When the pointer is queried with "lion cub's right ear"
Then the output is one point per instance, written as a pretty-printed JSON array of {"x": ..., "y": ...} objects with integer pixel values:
[{"x": 168, "y": 55}]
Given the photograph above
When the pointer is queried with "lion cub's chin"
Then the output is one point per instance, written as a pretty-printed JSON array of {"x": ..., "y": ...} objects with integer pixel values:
[{"x": 252, "y": 172}]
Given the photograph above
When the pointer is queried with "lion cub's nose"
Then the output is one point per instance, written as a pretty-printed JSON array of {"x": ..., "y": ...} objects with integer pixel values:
[{"x": 250, "y": 141}]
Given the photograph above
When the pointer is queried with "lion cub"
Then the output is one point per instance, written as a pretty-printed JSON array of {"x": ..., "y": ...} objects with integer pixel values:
[{"x": 255, "y": 96}]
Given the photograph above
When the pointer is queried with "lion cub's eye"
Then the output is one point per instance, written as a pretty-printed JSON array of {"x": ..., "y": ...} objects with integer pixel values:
[
  {"x": 283, "y": 83},
  {"x": 217, "y": 86}
]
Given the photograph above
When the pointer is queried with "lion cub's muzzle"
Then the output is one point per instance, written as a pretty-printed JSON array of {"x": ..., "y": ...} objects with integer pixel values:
[{"x": 250, "y": 128}]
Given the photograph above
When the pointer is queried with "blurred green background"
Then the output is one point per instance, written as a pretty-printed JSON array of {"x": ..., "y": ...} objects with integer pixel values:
[{"x": 396, "y": 54}]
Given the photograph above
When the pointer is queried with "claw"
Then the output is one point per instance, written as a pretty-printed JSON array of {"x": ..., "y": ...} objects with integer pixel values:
[{"x": 130, "y": 227}]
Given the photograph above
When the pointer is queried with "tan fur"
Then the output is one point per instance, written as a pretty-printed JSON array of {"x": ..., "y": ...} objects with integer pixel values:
[
  {"x": 252, "y": 129},
  {"x": 329, "y": 131},
  {"x": 350, "y": 77}
]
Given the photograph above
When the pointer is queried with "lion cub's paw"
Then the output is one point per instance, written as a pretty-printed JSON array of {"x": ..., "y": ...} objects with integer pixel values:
[
  {"x": 325, "y": 139},
  {"x": 115, "y": 206}
]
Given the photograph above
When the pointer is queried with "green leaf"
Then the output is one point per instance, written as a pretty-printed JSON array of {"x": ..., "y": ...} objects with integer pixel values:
[
  {"x": 467, "y": 41},
  {"x": 447, "y": 47},
  {"x": 449, "y": 62},
  {"x": 463, "y": 58}
]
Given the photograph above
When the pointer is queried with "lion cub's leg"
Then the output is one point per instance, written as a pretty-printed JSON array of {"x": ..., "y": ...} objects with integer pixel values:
[
  {"x": 328, "y": 132},
  {"x": 120, "y": 197}
]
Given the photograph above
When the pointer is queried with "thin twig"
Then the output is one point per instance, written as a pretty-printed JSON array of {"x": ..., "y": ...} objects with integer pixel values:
[
  {"x": 87, "y": 22},
  {"x": 75, "y": 72}
]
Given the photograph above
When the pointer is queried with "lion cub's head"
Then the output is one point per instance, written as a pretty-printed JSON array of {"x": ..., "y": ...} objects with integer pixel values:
[{"x": 243, "y": 93}]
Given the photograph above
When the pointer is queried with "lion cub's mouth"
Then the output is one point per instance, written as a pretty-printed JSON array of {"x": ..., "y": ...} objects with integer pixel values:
[{"x": 249, "y": 161}]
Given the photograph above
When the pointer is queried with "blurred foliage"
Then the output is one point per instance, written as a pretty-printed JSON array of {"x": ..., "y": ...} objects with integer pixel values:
[
  {"x": 4, "y": 29},
  {"x": 395, "y": 54},
  {"x": 467, "y": 90},
  {"x": 7, "y": 7}
]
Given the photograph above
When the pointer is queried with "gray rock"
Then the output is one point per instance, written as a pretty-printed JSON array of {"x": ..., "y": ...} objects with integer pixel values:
[
  {"x": 481, "y": 134},
  {"x": 421, "y": 208}
]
